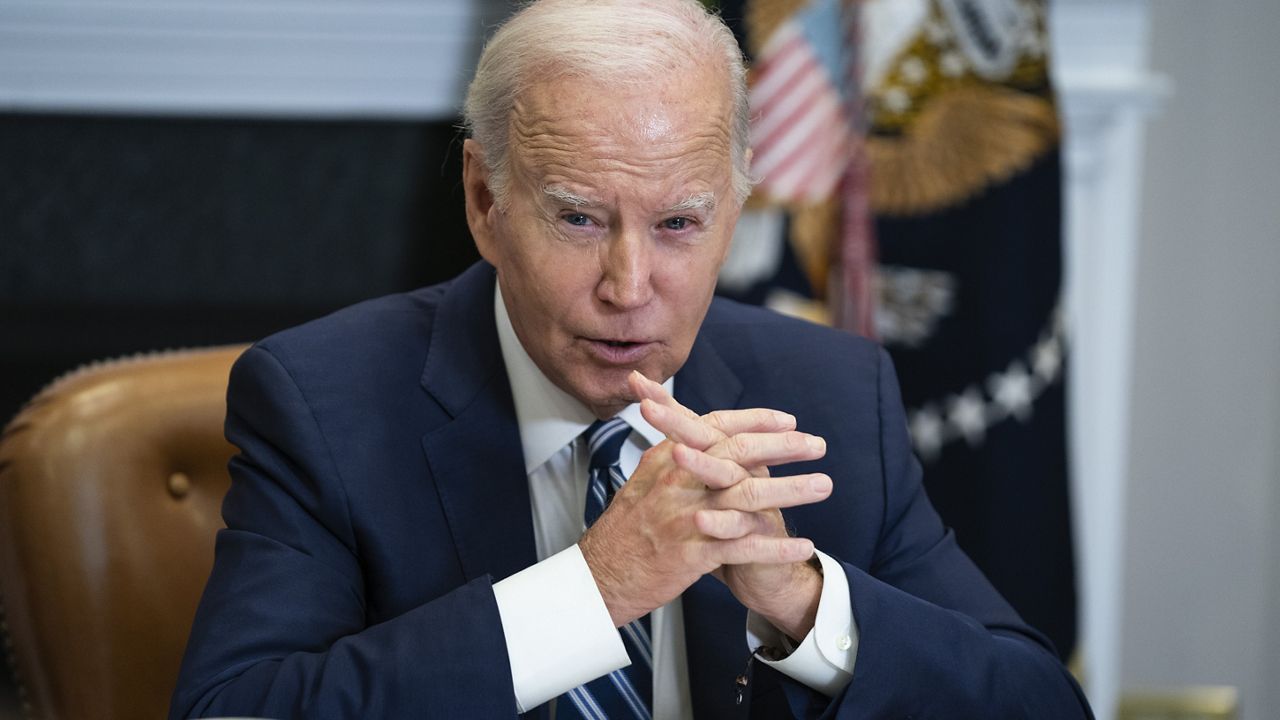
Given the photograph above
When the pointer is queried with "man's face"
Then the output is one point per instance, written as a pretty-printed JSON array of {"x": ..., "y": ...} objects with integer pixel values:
[{"x": 619, "y": 213}]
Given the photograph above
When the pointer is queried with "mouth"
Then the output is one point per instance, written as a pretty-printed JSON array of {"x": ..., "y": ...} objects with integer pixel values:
[{"x": 619, "y": 351}]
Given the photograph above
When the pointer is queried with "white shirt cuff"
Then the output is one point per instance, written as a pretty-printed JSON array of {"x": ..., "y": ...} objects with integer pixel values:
[
  {"x": 558, "y": 630},
  {"x": 824, "y": 658}
]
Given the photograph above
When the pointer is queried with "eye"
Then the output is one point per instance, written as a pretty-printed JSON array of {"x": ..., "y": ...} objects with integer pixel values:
[
  {"x": 676, "y": 223},
  {"x": 577, "y": 219}
]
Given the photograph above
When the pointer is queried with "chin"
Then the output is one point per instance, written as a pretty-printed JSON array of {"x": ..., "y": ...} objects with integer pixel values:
[
  {"x": 607, "y": 389},
  {"x": 607, "y": 398}
]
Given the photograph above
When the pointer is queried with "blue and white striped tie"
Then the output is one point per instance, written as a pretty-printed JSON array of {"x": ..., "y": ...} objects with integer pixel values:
[{"x": 625, "y": 693}]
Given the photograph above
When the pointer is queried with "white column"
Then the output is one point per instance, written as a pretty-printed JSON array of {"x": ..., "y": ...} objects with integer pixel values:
[{"x": 1105, "y": 92}]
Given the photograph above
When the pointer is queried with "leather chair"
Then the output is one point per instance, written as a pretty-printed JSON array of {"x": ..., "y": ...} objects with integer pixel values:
[{"x": 111, "y": 483}]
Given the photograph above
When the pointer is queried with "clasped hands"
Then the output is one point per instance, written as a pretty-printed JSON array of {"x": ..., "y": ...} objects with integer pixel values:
[{"x": 702, "y": 501}]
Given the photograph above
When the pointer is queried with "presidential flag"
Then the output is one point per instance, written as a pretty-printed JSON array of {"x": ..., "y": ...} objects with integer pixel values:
[{"x": 941, "y": 237}]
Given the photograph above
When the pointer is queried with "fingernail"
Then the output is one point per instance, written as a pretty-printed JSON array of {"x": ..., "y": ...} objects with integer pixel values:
[
  {"x": 820, "y": 483},
  {"x": 783, "y": 418},
  {"x": 817, "y": 443}
]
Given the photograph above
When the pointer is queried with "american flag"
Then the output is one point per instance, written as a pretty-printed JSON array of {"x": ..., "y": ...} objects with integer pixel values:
[
  {"x": 800, "y": 131},
  {"x": 805, "y": 133}
]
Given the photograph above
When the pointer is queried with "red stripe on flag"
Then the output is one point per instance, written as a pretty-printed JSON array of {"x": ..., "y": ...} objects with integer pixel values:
[
  {"x": 818, "y": 157},
  {"x": 788, "y": 112},
  {"x": 780, "y": 70},
  {"x": 809, "y": 121},
  {"x": 825, "y": 179}
]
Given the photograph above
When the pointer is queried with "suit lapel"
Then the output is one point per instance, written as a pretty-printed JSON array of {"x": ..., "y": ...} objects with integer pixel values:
[
  {"x": 706, "y": 382},
  {"x": 714, "y": 622},
  {"x": 475, "y": 457}
]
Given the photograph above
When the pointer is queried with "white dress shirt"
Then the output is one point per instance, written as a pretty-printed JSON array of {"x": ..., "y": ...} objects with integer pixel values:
[{"x": 558, "y": 631}]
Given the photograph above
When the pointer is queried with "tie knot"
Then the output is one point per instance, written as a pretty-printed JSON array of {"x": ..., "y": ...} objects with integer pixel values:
[{"x": 604, "y": 441}]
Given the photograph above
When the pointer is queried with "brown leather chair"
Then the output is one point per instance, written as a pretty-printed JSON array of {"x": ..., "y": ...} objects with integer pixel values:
[{"x": 111, "y": 481}]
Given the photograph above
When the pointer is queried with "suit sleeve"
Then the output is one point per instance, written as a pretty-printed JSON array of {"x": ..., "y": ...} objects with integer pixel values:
[
  {"x": 281, "y": 630},
  {"x": 935, "y": 638}
]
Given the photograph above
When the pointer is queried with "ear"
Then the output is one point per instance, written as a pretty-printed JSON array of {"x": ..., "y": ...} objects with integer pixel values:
[{"x": 479, "y": 201}]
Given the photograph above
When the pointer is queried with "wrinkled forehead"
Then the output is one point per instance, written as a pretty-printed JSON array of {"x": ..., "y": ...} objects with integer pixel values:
[{"x": 573, "y": 120}]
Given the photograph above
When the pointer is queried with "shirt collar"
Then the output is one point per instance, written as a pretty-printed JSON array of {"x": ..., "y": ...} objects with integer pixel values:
[{"x": 550, "y": 418}]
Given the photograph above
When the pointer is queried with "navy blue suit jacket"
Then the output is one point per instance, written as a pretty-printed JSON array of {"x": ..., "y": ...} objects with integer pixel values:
[{"x": 380, "y": 492}]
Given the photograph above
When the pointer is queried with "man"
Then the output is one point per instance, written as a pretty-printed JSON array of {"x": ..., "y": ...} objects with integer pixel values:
[{"x": 406, "y": 521}]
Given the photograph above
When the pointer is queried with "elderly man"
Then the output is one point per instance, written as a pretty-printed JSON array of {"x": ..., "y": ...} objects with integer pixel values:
[{"x": 405, "y": 528}]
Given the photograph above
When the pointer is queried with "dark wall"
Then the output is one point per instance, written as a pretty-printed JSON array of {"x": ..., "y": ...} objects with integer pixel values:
[{"x": 122, "y": 235}]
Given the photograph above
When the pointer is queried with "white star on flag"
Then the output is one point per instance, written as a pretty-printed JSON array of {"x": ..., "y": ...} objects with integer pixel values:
[
  {"x": 967, "y": 414},
  {"x": 1046, "y": 359},
  {"x": 926, "y": 431},
  {"x": 1012, "y": 390}
]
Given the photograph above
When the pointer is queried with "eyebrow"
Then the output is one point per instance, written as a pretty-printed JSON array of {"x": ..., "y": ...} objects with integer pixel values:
[
  {"x": 559, "y": 194},
  {"x": 700, "y": 201}
]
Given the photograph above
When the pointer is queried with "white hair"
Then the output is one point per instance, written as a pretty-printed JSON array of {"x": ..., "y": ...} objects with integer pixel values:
[{"x": 611, "y": 41}]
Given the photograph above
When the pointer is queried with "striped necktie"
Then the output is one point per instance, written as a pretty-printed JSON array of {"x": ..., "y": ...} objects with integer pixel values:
[{"x": 628, "y": 692}]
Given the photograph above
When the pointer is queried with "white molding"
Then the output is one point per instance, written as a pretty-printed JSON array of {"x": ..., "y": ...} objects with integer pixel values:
[
  {"x": 375, "y": 58},
  {"x": 1105, "y": 92}
]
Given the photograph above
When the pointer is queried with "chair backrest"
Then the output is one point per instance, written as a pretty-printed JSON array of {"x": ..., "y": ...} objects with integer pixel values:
[{"x": 111, "y": 483}]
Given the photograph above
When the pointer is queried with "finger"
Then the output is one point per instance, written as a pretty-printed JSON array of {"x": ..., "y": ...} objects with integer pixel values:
[
  {"x": 756, "y": 548},
  {"x": 732, "y": 422},
  {"x": 754, "y": 449},
  {"x": 728, "y": 422},
  {"x": 716, "y": 473},
  {"x": 763, "y": 493},
  {"x": 731, "y": 524},
  {"x": 677, "y": 426},
  {"x": 644, "y": 388}
]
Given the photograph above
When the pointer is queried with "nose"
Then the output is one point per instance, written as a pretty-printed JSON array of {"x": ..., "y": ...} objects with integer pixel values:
[{"x": 627, "y": 264}]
